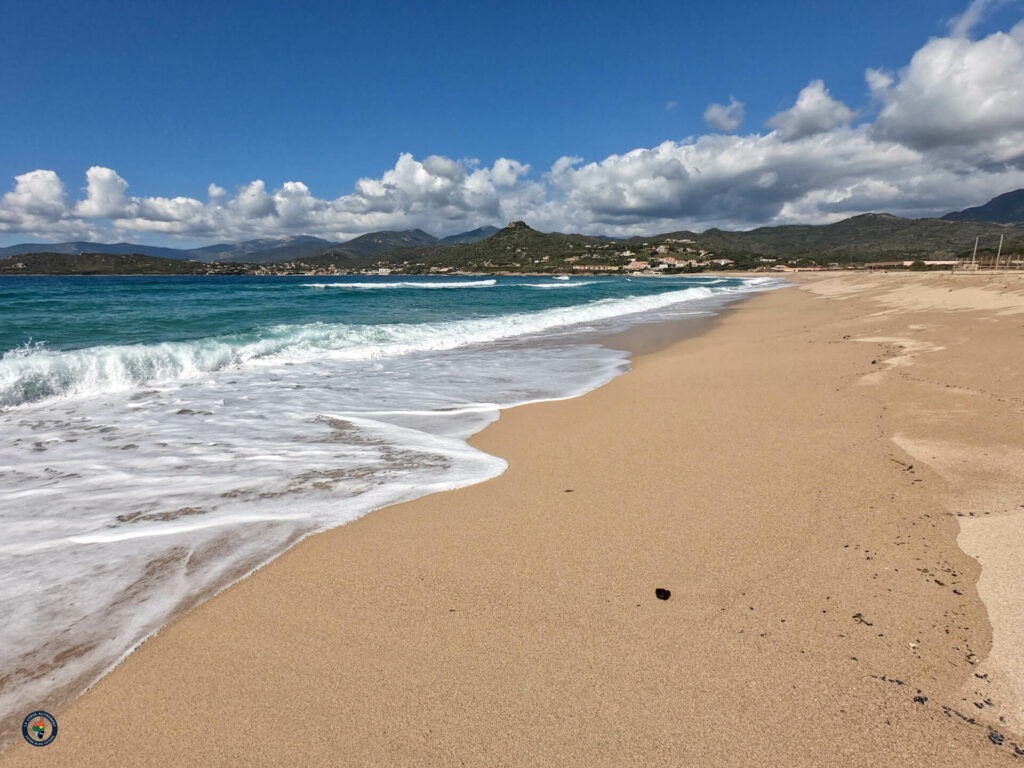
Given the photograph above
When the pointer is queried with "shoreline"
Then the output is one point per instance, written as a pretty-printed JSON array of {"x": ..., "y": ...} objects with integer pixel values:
[
  {"x": 476, "y": 623},
  {"x": 637, "y": 339},
  {"x": 87, "y": 668}
]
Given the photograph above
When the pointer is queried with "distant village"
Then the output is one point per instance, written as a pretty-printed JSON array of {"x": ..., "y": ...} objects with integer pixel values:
[
  {"x": 518, "y": 249},
  {"x": 668, "y": 256},
  {"x": 671, "y": 256}
]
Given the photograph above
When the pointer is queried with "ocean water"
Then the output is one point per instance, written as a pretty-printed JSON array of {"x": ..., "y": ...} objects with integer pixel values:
[{"x": 162, "y": 437}]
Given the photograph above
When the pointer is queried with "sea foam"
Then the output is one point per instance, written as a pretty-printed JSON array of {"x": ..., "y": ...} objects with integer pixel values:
[
  {"x": 39, "y": 374},
  {"x": 140, "y": 479},
  {"x": 404, "y": 284}
]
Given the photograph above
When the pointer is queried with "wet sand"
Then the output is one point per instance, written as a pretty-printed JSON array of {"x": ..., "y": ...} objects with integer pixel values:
[{"x": 797, "y": 476}]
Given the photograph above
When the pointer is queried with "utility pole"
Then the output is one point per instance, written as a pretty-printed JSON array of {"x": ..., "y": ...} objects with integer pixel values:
[
  {"x": 1000, "y": 251},
  {"x": 974, "y": 256}
]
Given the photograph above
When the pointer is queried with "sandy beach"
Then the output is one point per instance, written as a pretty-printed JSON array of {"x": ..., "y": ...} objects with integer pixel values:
[{"x": 829, "y": 482}]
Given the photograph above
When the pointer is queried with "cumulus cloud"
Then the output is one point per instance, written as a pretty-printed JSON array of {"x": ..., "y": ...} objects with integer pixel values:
[
  {"x": 36, "y": 194},
  {"x": 253, "y": 202},
  {"x": 815, "y": 111},
  {"x": 725, "y": 117},
  {"x": 948, "y": 132},
  {"x": 739, "y": 181},
  {"x": 105, "y": 198},
  {"x": 958, "y": 93},
  {"x": 38, "y": 205},
  {"x": 414, "y": 193}
]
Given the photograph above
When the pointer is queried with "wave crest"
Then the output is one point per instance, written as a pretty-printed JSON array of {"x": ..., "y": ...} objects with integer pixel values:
[
  {"x": 403, "y": 284},
  {"x": 560, "y": 285},
  {"x": 33, "y": 373}
]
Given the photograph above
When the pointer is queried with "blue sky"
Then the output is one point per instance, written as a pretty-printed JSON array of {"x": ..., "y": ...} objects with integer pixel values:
[{"x": 172, "y": 98}]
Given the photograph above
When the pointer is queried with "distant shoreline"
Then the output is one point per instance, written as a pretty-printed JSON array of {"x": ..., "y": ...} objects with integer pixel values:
[{"x": 865, "y": 240}]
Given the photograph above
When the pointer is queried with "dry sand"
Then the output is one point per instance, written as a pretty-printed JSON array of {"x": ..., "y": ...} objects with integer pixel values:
[{"x": 795, "y": 476}]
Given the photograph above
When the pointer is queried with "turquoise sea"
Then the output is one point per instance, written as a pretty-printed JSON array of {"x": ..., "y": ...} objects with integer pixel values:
[{"x": 162, "y": 437}]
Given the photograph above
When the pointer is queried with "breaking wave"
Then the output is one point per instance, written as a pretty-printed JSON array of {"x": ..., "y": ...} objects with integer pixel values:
[
  {"x": 561, "y": 285},
  {"x": 34, "y": 373},
  {"x": 403, "y": 284}
]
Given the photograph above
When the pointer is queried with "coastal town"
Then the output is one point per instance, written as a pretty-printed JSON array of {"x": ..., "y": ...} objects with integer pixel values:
[
  {"x": 868, "y": 242},
  {"x": 667, "y": 257}
]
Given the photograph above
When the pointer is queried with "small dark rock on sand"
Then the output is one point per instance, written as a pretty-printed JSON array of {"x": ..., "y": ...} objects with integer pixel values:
[
  {"x": 662, "y": 594},
  {"x": 996, "y": 738}
]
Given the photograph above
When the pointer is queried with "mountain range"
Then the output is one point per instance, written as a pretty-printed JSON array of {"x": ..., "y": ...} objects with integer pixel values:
[
  {"x": 868, "y": 237},
  {"x": 267, "y": 250},
  {"x": 1006, "y": 209},
  {"x": 519, "y": 248}
]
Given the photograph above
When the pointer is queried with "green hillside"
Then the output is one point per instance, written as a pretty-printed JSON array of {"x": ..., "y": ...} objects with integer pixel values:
[
  {"x": 1008, "y": 209},
  {"x": 870, "y": 237},
  {"x": 108, "y": 264},
  {"x": 516, "y": 247},
  {"x": 519, "y": 248}
]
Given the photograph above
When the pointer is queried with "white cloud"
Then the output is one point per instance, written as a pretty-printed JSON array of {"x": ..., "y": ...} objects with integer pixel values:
[
  {"x": 815, "y": 111},
  {"x": 253, "y": 202},
  {"x": 36, "y": 194},
  {"x": 436, "y": 193},
  {"x": 725, "y": 117},
  {"x": 105, "y": 198},
  {"x": 964, "y": 24},
  {"x": 948, "y": 132},
  {"x": 958, "y": 93},
  {"x": 732, "y": 181},
  {"x": 38, "y": 206}
]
